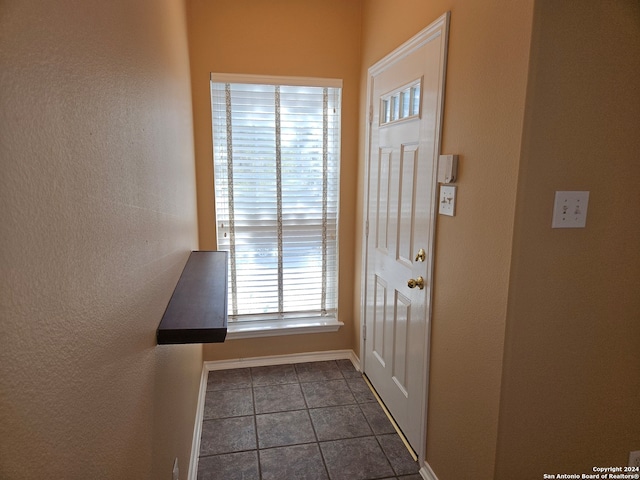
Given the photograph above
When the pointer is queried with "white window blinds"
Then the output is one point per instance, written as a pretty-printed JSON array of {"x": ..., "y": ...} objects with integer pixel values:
[{"x": 276, "y": 168}]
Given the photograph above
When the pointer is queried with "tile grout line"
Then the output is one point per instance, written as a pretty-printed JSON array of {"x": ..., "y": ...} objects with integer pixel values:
[
  {"x": 359, "y": 404},
  {"x": 393, "y": 422},
  {"x": 255, "y": 422},
  {"x": 324, "y": 461},
  {"x": 307, "y": 408}
]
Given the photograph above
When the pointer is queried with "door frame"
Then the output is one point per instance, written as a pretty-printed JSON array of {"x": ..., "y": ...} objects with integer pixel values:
[{"x": 440, "y": 27}]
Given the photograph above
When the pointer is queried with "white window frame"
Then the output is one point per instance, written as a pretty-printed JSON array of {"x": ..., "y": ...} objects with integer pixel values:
[{"x": 285, "y": 325}]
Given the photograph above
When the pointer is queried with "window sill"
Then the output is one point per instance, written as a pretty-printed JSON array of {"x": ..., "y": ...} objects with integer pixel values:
[{"x": 273, "y": 328}]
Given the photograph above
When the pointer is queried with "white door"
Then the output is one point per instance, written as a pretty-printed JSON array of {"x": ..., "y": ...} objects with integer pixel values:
[{"x": 405, "y": 94}]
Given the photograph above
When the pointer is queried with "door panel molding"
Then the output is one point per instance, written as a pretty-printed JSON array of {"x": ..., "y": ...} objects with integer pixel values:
[{"x": 395, "y": 221}]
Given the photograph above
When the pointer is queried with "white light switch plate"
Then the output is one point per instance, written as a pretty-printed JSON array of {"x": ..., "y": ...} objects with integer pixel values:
[
  {"x": 447, "y": 201},
  {"x": 570, "y": 210}
]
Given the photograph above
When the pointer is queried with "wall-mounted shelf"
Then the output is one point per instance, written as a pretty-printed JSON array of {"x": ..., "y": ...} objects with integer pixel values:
[{"x": 197, "y": 311}]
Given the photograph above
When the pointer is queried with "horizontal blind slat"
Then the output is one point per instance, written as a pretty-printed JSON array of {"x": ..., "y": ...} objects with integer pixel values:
[{"x": 252, "y": 196}]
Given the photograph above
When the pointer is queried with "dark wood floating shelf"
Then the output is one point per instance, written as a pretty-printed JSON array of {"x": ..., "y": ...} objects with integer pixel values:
[{"x": 197, "y": 311}]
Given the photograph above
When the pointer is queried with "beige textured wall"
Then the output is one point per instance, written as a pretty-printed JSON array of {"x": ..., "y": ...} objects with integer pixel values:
[
  {"x": 98, "y": 216},
  {"x": 571, "y": 394},
  {"x": 484, "y": 108},
  {"x": 311, "y": 38}
]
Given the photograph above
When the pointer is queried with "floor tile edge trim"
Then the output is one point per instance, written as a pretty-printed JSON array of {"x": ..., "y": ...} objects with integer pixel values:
[
  {"x": 281, "y": 360},
  {"x": 396, "y": 427},
  {"x": 197, "y": 428}
]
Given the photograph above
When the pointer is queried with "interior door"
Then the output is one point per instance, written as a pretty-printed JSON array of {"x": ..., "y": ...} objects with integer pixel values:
[{"x": 405, "y": 94}]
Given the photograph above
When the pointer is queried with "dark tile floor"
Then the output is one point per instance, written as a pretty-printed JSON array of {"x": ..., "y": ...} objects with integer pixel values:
[{"x": 308, "y": 421}]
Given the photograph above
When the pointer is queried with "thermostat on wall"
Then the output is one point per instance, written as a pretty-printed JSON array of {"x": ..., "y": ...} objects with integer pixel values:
[{"x": 447, "y": 168}]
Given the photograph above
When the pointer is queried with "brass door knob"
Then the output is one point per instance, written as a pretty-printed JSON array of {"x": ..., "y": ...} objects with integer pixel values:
[{"x": 418, "y": 282}]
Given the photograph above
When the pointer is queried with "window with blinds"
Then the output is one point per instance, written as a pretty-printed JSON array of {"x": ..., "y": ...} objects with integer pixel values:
[{"x": 276, "y": 149}]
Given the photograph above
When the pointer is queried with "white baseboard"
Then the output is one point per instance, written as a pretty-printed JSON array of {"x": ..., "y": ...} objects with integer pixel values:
[
  {"x": 254, "y": 362},
  {"x": 427, "y": 473},
  {"x": 284, "y": 359},
  {"x": 197, "y": 428}
]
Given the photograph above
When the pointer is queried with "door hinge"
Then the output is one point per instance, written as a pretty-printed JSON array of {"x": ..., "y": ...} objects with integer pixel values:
[
  {"x": 364, "y": 331},
  {"x": 370, "y": 114},
  {"x": 366, "y": 228}
]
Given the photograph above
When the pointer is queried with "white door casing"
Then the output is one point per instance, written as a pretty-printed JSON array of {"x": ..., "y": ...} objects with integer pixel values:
[{"x": 403, "y": 146}]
